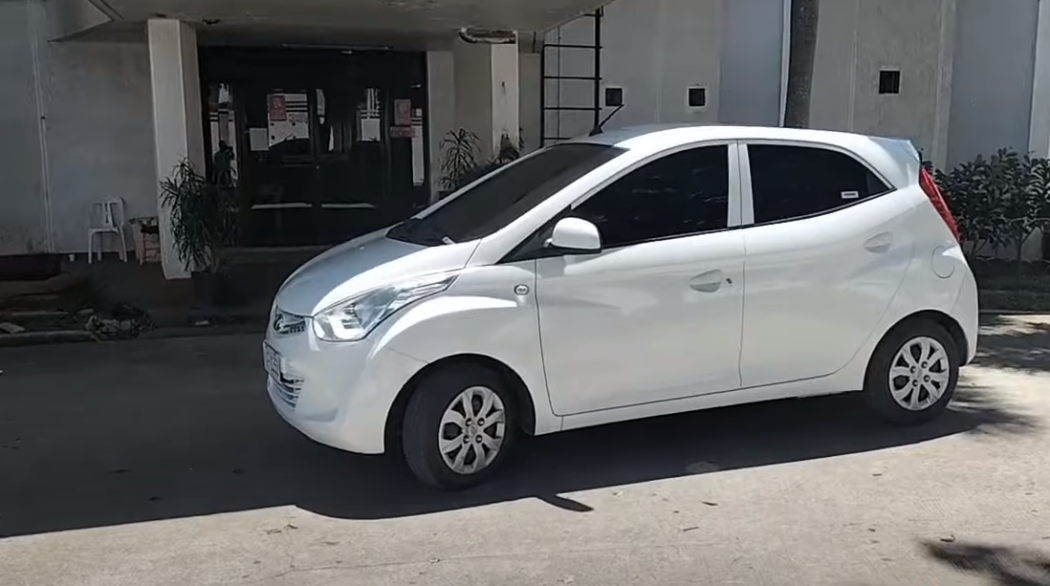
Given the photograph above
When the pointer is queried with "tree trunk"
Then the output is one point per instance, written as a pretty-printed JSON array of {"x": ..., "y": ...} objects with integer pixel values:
[
  {"x": 1021, "y": 239},
  {"x": 803, "y": 52}
]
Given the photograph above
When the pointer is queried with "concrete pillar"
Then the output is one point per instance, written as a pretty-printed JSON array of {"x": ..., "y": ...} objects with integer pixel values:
[
  {"x": 487, "y": 92},
  {"x": 441, "y": 111},
  {"x": 1039, "y": 133},
  {"x": 178, "y": 130}
]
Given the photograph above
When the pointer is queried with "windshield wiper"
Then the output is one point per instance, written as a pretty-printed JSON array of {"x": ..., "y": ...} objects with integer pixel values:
[{"x": 401, "y": 231}]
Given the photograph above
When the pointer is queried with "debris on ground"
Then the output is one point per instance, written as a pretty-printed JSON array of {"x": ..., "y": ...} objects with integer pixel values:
[
  {"x": 11, "y": 328},
  {"x": 125, "y": 322}
]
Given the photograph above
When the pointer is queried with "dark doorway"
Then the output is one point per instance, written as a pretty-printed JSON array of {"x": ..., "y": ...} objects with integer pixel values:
[{"x": 325, "y": 145}]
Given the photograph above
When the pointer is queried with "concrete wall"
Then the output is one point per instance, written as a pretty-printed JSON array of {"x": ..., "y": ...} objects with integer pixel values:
[
  {"x": 95, "y": 97},
  {"x": 992, "y": 82},
  {"x": 653, "y": 49},
  {"x": 859, "y": 38},
  {"x": 442, "y": 103},
  {"x": 752, "y": 62},
  {"x": 99, "y": 135},
  {"x": 70, "y": 17},
  {"x": 23, "y": 219},
  {"x": 87, "y": 105},
  {"x": 657, "y": 49},
  {"x": 441, "y": 94},
  {"x": 529, "y": 100}
]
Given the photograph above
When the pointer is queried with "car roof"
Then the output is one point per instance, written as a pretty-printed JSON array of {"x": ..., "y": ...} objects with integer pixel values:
[
  {"x": 894, "y": 158},
  {"x": 670, "y": 135}
]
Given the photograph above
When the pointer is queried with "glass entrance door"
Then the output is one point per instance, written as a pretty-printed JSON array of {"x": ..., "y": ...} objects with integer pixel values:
[
  {"x": 277, "y": 168},
  {"x": 350, "y": 160},
  {"x": 328, "y": 147}
]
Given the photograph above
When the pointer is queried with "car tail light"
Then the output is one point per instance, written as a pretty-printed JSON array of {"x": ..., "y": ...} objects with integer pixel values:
[{"x": 929, "y": 187}]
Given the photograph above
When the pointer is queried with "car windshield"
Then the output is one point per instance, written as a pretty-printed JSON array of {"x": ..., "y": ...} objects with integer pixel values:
[{"x": 505, "y": 195}]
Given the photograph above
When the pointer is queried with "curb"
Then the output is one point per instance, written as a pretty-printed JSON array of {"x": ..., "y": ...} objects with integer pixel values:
[
  {"x": 40, "y": 338},
  {"x": 203, "y": 331},
  {"x": 81, "y": 336},
  {"x": 1011, "y": 312}
]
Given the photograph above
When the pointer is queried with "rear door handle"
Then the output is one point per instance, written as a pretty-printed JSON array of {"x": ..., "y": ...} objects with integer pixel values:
[
  {"x": 708, "y": 282},
  {"x": 879, "y": 243}
]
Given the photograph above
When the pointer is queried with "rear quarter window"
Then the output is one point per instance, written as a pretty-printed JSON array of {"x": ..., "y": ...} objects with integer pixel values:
[{"x": 791, "y": 182}]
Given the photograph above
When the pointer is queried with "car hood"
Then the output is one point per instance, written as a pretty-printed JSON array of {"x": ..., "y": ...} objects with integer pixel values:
[{"x": 362, "y": 264}]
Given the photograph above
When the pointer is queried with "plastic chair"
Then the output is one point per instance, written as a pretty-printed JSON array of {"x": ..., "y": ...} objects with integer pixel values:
[{"x": 107, "y": 217}]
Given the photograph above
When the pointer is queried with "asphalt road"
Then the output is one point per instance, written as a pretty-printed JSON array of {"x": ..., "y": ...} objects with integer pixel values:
[{"x": 160, "y": 462}]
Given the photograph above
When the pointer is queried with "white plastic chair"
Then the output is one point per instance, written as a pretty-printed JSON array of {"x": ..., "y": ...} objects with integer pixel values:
[{"x": 107, "y": 217}]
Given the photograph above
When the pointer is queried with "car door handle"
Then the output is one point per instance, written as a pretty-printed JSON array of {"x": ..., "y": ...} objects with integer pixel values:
[
  {"x": 708, "y": 282},
  {"x": 880, "y": 243}
]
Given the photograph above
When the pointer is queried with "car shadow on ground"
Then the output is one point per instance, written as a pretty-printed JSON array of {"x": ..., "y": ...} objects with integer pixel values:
[
  {"x": 109, "y": 434},
  {"x": 1002, "y": 566},
  {"x": 151, "y": 472},
  {"x": 1015, "y": 342}
]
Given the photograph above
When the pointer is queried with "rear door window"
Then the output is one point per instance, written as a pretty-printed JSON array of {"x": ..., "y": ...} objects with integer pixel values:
[{"x": 793, "y": 182}]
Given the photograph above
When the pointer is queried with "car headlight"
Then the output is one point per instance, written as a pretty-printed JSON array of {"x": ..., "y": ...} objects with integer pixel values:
[{"x": 354, "y": 318}]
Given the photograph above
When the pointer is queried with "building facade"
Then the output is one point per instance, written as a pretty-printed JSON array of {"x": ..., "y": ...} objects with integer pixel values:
[{"x": 333, "y": 114}]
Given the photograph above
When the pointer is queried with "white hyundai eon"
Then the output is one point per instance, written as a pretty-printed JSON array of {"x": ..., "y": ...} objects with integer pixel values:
[{"x": 630, "y": 274}]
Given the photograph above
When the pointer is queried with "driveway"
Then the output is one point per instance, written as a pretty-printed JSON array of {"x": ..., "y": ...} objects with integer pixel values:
[{"x": 161, "y": 462}]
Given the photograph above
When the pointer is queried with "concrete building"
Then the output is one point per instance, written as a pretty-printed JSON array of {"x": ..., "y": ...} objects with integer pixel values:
[{"x": 335, "y": 111}]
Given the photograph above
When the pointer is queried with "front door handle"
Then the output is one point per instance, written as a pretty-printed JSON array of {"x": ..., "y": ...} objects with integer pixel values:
[
  {"x": 880, "y": 243},
  {"x": 708, "y": 282}
]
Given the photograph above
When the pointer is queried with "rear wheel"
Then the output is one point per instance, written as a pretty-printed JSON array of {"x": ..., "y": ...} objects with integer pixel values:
[
  {"x": 459, "y": 426},
  {"x": 913, "y": 374}
]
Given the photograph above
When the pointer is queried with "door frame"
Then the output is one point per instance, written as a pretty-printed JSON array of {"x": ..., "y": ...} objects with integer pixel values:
[
  {"x": 733, "y": 230},
  {"x": 390, "y": 71}
]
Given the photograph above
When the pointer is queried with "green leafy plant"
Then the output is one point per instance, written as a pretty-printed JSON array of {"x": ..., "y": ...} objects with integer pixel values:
[
  {"x": 976, "y": 207},
  {"x": 1037, "y": 204},
  {"x": 460, "y": 163},
  {"x": 459, "y": 155},
  {"x": 202, "y": 217},
  {"x": 999, "y": 201}
]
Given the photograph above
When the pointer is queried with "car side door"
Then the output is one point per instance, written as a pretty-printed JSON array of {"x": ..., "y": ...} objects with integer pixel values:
[
  {"x": 655, "y": 315},
  {"x": 825, "y": 257}
]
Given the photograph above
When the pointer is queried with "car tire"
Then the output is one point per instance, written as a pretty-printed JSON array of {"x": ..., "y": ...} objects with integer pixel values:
[
  {"x": 448, "y": 409},
  {"x": 913, "y": 374}
]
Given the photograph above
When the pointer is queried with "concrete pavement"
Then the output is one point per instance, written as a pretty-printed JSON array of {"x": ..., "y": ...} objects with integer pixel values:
[{"x": 160, "y": 462}]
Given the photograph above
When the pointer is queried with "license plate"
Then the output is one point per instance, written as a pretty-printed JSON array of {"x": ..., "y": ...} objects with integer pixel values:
[{"x": 272, "y": 361}]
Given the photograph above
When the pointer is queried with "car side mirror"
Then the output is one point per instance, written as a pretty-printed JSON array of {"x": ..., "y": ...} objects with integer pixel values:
[{"x": 575, "y": 236}]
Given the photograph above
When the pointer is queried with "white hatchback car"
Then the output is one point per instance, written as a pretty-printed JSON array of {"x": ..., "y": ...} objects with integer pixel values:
[{"x": 630, "y": 274}]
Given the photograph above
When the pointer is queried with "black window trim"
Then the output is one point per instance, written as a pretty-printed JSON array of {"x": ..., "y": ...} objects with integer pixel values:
[
  {"x": 745, "y": 167},
  {"x": 519, "y": 253}
]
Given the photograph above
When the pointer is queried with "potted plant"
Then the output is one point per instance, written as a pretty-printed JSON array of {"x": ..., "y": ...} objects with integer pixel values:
[
  {"x": 203, "y": 223},
  {"x": 459, "y": 162}
]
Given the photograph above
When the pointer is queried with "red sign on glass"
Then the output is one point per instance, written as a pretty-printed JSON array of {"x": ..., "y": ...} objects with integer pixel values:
[
  {"x": 402, "y": 112},
  {"x": 278, "y": 108}
]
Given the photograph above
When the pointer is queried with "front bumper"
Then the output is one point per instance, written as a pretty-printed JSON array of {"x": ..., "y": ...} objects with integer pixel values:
[{"x": 343, "y": 392}]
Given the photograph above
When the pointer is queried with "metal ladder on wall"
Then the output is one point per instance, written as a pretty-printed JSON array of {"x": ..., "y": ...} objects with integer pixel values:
[{"x": 595, "y": 78}]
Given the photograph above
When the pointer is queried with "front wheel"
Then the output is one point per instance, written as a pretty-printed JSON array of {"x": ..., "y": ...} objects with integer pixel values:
[
  {"x": 913, "y": 374},
  {"x": 459, "y": 426}
]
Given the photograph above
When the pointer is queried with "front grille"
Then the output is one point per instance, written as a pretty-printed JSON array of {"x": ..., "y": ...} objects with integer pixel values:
[{"x": 287, "y": 393}]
